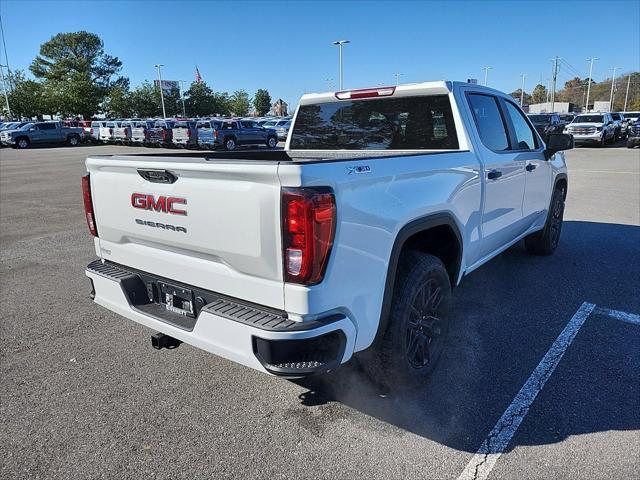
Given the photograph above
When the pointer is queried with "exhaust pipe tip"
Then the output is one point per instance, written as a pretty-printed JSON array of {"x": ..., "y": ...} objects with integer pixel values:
[{"x": 160, "y": 341}]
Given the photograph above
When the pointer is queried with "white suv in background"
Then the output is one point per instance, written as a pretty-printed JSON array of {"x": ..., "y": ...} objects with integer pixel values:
[{"x": 592, "y": 128}]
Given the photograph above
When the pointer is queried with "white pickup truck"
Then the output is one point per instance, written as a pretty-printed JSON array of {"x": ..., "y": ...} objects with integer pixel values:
[{"x": 350, "y": 240}]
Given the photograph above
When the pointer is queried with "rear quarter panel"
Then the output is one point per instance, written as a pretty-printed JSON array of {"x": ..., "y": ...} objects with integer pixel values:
[{"x": 372, "y": 207}]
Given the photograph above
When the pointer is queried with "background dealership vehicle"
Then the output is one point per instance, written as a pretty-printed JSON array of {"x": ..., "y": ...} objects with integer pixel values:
[
  {"x": 282, "y": 130},
  {"x": 140, "y": 131},
  {"x": 122, "y": 132},
  {"x": 633, "y": 136},
  {"x": 107, "y": 130},
  {"x": 547, "y": 123},
  {"x": 208, "y": 133},
  {"x": 245, "y": 132},
  {"x": 592, "y": 128},
  {"x": 348, "y": 241},
  {"x": 39, "y": 133},
  {"x": 161, "y": 133},
  {"x": 96, "y": 125},
  {"x": 620, "y": 125},
  {"x": 185, "y": 134}
]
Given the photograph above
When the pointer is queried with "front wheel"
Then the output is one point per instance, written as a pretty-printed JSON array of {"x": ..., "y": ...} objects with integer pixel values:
[
  {"x": 417, "y": 326},
  {"x": 272, "y": 142},
  {"x": 546, "y": 240},
  {"x": 22, "y": 143},
  {"x": 230, "y": 144}
]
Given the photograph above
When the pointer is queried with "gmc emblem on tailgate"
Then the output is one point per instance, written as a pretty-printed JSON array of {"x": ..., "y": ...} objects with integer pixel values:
[{"x": 146, "y": 201}]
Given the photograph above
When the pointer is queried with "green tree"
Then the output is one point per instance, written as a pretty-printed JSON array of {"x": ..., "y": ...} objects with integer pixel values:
[
  {"x": 25, "y": 96},
  {"x": 222, "y": 103},
  {"x": 516, "y": 95},
  {"x": 239, "y": 103},
  {"x": 145, "y": 101},
  {"x": 262, "y": 102},
  {"x": 119, "y": 102},
  {"x": 539, "y": 94},
  {"x": 200, "y": 100},
  {"x": 68, "y": 54},
  {"x": 573, "y": 92},
  {"x": 76, "y": 73}
]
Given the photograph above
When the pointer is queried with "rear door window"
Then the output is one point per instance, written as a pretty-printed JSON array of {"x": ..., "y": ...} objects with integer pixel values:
[
  {"x": 491, "y": 127},
  {"x": 405, "y": 123}
]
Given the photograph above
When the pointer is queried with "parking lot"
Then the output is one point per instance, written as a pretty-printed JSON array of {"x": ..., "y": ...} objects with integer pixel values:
[{"x": 547, "y": 344}]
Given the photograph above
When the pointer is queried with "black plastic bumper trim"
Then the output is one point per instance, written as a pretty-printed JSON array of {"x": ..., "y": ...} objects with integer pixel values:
[
  {"x": 301, "y": 357},
  {"x": 139, "y": 288}
]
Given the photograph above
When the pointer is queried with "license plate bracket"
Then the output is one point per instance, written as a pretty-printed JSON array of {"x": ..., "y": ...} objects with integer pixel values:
[{"x": 177, "y": 299}]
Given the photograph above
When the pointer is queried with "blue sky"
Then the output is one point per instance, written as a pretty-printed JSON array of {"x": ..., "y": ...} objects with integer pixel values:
[{"x": 286, "y": 48}]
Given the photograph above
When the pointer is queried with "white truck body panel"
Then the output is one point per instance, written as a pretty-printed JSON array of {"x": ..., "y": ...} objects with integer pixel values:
[{"x": 233, "y": 224}]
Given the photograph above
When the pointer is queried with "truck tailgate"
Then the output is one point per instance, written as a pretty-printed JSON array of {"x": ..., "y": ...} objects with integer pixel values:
[{"x": 221, "y": 232}]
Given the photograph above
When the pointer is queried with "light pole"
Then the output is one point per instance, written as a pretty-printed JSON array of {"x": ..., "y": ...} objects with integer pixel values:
[
  {"x": 184, "y": 112},
  {"x": 586, "y": 104},
  {"x": 522, "y": 90},
  {"x": 613, "y": 84},
  {"x": 626, "y": 97},
  {"x": 4, "y": 89},
  {"x": 340, "y": 43},
  {"x": 164, "y": 112},
  {"x": 398, "y": 75},
  {"x": 486, "y": 74}
]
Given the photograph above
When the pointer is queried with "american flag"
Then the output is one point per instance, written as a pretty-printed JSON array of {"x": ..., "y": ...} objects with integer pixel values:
[{"x": 198, "y": 76}]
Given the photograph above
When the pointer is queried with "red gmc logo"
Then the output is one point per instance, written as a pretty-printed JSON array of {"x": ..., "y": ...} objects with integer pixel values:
[{"x": 146, "y": 201}]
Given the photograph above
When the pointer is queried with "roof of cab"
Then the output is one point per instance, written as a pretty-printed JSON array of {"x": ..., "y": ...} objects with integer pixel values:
[{"x": 439, "y": 87}]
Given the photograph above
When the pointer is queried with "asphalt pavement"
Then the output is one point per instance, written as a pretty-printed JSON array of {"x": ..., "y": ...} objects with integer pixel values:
[{"x": 85, "y": 396}]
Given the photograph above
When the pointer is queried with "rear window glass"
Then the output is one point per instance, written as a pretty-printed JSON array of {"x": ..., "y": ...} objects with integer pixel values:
[{"x": 409, "y": 123}]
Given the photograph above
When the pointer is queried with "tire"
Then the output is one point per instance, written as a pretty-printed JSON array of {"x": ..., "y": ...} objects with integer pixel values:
[
  {"x": 417, "y": 327},
  {"x": 603, "y": 140},
  {"x": 22, "y": 143},
  {"x": 546, "y": 240},
  {"x": 230, "y": 144},
  {"x": 272, "y": 142},
  {"x": 73, "y": 141}
]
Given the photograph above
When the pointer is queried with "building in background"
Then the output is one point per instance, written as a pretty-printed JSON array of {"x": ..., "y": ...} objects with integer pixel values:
[
  {"x": 558, "y": 107},
  {"x": 280, "y": 108}
]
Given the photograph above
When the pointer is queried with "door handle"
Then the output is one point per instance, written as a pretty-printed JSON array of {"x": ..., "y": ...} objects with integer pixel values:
[
  {"x": 494, "y": 174},
  {"x": 530, "y": 167}
]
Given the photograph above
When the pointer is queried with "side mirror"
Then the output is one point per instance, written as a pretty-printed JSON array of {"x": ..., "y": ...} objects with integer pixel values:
[{"x": 557, "y": 142}]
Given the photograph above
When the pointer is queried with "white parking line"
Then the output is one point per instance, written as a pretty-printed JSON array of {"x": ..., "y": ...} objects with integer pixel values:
[
  {"x": 499, "y": 437},
  {"x": 618, "y": 315}
]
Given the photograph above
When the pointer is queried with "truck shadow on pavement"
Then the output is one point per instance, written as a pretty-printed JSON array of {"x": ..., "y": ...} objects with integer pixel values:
[{"x": 505, "y": 317}]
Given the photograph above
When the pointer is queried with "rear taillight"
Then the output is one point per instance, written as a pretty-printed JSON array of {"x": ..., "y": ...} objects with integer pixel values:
[
  {"x": 308, "y": 227},
  {"x": 164, "y": 134},
  {"x": 188, "y": 132},
  {"x": 88, "y": 205},
  {"x": 111, "y": 131},
  {"x": 146, "y": 133},
  {"x": 215, "y": 134}
]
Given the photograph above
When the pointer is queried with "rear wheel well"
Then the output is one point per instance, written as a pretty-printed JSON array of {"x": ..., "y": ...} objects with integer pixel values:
[{"x": 439, "y": 241}]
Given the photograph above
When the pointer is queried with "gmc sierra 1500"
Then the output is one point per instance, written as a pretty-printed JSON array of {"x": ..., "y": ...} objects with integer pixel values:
[{"x": 348, "y": 241}]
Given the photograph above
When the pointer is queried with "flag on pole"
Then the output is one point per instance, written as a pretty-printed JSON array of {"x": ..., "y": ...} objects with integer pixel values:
[{"x": 198, "y": 76}]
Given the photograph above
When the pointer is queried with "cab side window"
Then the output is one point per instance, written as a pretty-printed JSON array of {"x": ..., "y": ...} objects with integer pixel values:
[
  {"x": 525, "y": 138},
  {"x": 491, "y": 127}
]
